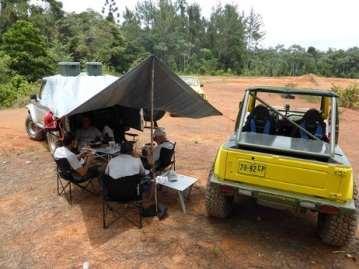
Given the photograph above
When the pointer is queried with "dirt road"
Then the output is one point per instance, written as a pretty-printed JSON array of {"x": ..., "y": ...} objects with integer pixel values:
[{"x": 39, "y": 229}]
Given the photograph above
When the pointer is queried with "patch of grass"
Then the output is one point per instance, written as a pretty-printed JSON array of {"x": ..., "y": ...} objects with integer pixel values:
[
  {"x": 217, "y": 251},
  {"x": 349, "y": 96}
]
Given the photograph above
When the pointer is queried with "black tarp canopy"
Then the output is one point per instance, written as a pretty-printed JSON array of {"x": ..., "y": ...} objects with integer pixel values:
[
  {"x": 154, "y": 87},
  {"x": 133, "y": 89}
]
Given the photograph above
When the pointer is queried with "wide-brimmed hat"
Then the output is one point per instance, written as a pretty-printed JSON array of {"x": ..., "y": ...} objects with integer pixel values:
[{"x": 159, "y": 132}]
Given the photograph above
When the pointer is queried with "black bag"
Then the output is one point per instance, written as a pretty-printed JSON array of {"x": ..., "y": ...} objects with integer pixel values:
[{"x": 150, "y": 211}]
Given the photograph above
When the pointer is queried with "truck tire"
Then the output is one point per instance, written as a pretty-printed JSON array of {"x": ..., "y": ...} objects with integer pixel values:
[
  {"x": 33, "y": 131},
  {"x": 52, "y": 141},
  {"x": 338, "y": 230},
  {"x": 217, "y": 204}
]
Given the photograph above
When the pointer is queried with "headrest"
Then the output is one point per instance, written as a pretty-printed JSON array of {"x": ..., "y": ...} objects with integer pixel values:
[
  {"x": 312, "y": 118},
  {"x": 260, "y": 112},
  {"x": 312, "y": 115}
]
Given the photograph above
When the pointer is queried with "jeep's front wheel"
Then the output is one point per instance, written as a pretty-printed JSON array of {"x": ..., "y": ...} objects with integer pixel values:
[
  {"x": 33, "y": 131},
  {"x": 338, "y": 230},
  {"x": 217, "y": 204}
]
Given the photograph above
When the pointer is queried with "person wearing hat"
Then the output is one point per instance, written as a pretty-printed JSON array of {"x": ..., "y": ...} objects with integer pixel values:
[{"x": 160, "y": 137}]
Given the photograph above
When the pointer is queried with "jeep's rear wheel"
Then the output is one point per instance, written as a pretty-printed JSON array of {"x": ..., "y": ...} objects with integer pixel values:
[
  {"x": 33, "y": 131},
  {"x": 217, "y": 204},
  {"x": 338, "y": 230}
]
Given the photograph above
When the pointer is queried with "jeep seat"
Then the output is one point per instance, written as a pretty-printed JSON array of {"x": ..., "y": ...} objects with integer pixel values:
[
  {"x": 259, "y": 121},
  {"x": 313, "y": 122}
]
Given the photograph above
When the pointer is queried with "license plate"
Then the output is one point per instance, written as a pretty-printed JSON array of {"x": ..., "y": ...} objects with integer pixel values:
[{"x": 252, "y": 169}]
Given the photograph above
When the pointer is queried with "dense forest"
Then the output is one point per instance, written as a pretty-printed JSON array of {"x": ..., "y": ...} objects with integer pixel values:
[{"x": 35, "y": 35}]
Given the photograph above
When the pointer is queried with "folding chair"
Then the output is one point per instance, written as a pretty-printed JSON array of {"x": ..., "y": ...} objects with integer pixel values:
[
  {"x": 65, "y": 172},
  {"x": 127, "y": 191},
  {"x": 167, "y": 159}
]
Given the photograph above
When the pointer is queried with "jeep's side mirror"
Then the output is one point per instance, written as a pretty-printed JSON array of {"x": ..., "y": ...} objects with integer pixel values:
[
  {"x": 33, "y": 97},
  {"x": 288, "y": 96},
  {"x": 201, "y": 85}
]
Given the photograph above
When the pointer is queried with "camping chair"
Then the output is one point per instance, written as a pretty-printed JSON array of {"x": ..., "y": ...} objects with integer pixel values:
[
  {"x": 167, "y": 159},
  {"x": 65, "y": 172},
  {"x": 126, "y": 190}
]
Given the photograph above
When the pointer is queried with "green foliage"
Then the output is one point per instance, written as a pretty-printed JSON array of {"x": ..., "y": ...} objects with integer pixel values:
[
  {"x": 89, "y": 37},
  {"x": 34, "y": 37},
  {"x": 226, "y": 32},
  {"x": 254, "y": 31},
  {"x": 27, "y": 49},
  {"x": 296, "y": 61},
  {"x": 15, "y": 91},
  {"x": 348, "y": 97},
  {"x": 5, "y": 71},
  {"x": 179, "y": 35},
  {"x": 11, "y": 11}
]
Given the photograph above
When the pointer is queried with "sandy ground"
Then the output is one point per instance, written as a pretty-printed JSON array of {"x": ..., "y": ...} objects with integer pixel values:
[{"x": 39, "y": 229}]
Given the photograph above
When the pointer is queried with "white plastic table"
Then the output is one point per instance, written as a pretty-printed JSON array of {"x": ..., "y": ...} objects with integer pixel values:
[{"x": 183, "y": 184}]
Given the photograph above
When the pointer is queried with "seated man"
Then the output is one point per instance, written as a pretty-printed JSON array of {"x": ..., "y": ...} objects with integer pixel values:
[
  {"x": 160, "y": 137},
  {"x": 107, "y": 134},
  {"x": 87, "y": 134},
  {"x": 125, "y": 164},
  {"x": 82, "y": 167}
]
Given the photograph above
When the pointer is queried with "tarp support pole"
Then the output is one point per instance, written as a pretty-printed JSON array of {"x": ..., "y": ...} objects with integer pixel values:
[
  {"x": 152, "y": 92},
  {"x": 151, "y": 104}
]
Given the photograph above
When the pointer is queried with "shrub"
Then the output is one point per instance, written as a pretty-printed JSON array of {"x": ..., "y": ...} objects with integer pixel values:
[
  {"x": 349, "y": 96},
  {"x": 27, "y": 48},
  {"x": 5, "y": 71},
  {"x": 16, "y": 91}
]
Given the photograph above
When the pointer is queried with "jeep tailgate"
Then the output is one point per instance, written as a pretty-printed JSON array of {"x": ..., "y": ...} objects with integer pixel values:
[{"x": 295, "y": 175}]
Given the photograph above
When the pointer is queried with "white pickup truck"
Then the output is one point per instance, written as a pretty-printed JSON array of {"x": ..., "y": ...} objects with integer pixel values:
[{"x": 34, "y": 122}]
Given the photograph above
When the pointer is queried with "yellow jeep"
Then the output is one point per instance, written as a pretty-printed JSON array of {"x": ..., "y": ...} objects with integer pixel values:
[{"x": 288, "y": 157}]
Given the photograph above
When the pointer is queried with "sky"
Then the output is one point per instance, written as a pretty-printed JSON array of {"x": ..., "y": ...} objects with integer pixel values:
[{"x": 320, "y": 23}]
